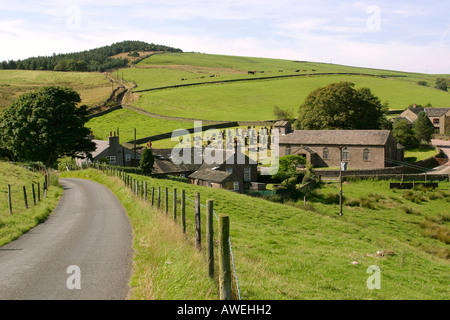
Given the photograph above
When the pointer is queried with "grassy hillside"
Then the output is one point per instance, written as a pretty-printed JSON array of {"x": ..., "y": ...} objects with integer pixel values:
[
  {"x": 22, "y": 220},
  {"x": 127, "y": 120},
  {"x": 255, "y": 100},
  {"x": 285, "y": 252},
  {"x": 94, "y": 88}
]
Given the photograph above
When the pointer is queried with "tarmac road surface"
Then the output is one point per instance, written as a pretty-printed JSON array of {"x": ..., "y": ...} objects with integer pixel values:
[{"x": 82, "y": 252}]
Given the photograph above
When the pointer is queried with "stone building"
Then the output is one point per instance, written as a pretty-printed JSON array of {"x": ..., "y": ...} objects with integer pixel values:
[{"x": 361, "y": 149}]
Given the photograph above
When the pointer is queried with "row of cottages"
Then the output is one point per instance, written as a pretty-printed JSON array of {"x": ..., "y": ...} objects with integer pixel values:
[
  {"x": 231, "y": 170},
  {"x": 234, "y": 171},
  {"x": 113, "y": 151},
  {"x": 439, "y": 117},
  {"x": 361, "y": 149}
]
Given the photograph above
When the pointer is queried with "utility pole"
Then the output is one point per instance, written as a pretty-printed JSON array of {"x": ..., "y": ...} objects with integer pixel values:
[
  {"x": 135, "y": 157},
  {"x": 340, "y": 181}
]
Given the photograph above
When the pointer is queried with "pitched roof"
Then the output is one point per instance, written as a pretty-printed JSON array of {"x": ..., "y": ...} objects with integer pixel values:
[
  {"x": 281, "y": 123},
  {"x": 336, "y": 137},
  {"x": 436, "y": 112},
  {"x": 100, "y": 146},
  {"x": 164, "y": 164},
  {"x": 216, "y": 176}
]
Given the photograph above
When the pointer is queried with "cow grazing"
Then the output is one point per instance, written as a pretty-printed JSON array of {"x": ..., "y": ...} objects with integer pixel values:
[{"x": 252, "y": 72}]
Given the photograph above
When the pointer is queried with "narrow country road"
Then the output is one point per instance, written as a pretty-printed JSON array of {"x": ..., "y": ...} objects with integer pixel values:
[{"x": 86, "y": 242}]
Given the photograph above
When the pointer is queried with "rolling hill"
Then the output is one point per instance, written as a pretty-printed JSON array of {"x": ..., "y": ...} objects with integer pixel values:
[{"x": 220, "y": 87}]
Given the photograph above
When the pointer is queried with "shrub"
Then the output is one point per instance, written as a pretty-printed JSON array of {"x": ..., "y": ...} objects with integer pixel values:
[{"x": 409, "y": 210}]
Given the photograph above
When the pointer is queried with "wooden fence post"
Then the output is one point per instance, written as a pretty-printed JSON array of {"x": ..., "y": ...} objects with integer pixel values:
[
  {"x": 153, "y": 196},
  {"x": 25, "y": 197},
  {"x": 34, "y": 194},
  {"x": 198, "y": 235},
  {"x": 183, "y": 210},
  {"x": 167, "y": 200},
  {"x": 9, "y": 199},
  {"x": 159, "y": 198},
  {"x": 210, "y": 236},
  {"x": 175, "y": 204},
  {"x": 145, "y": 191},
  {"x": 224, "y": 258},
  {"x": 39, "y": 191}
]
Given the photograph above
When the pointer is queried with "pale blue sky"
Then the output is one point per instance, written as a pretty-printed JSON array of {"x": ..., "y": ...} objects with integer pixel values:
[{"x": 399, "y": 35}]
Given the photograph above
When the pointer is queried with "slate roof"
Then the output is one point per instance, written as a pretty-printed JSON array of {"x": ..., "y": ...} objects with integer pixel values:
[
  {"x": 163, "y": 163},
  {"x": 216, "y": 176},
  {"x": 336, "y": 137},
  {"x": 436, "y": 112},
  {"x": 100, "y": 146},
  {"x": 280, "y": 123}
]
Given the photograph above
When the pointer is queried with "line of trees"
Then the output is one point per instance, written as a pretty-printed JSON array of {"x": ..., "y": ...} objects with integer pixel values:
[{"x": 98, "y": 59}]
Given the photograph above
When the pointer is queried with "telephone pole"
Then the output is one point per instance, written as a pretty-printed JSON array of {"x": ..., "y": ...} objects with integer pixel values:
[{"x": 340, "y": 181}]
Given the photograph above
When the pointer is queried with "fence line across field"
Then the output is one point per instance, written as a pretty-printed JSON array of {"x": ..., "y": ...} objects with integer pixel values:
[{"x": 226, "y": 256}]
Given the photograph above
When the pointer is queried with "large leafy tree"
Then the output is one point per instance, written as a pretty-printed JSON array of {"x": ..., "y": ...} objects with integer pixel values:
[
  {"x": 44, "y": 125},
  {"x": 404, "y": 134},
  {"x": 341, "y": 106},
  {"x": 423, "y": 128}
]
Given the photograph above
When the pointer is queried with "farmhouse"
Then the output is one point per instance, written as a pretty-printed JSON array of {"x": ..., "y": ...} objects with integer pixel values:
[
  {"x": 235, "y": 171},
  {"x": 439, "y": 117},
  {"x": 113, "y": 151},
  {"x": 361, "y": 149}
]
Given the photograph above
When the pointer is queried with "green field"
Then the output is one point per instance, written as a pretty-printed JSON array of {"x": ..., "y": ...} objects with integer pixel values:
[
  {"x": 255, "y": 99},
  {"x": 94, "y": 88},
  {"x": 21, "y": 220},
  {"x": 285, "y": 252},
  {"x": 127, "y": 120}
]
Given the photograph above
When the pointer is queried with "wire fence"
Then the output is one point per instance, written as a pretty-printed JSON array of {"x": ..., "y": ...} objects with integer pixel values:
[
  {"x": 188, "y": 210},
  {"x": 19, "y": 197}
]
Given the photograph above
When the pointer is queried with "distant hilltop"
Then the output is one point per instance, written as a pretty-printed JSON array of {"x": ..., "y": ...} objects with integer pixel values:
[{"x": 99, "y": 59}]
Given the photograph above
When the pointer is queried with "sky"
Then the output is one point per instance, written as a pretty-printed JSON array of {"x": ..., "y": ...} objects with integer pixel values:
[{"x": 397, "y": 35}]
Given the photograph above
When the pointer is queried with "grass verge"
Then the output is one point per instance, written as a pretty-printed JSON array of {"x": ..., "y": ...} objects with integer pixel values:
[
  {"x": 166, "y": 266},
  {"x": 12, "y": 226}
]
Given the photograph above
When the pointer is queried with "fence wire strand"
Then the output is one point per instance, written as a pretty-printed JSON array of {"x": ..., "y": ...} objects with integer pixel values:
[{"x": 217, "y": 218}]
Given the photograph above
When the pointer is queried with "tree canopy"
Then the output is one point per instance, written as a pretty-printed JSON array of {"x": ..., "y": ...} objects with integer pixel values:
[
  {"x": 147, "y": 160},
  {"x": 98, "y": 59},
  {"x": 44, "y": 125},
  {"x": 404, "y": 134},
  {"x": 423, "y": 128},
  {"x": 341, "y": 106},
  {"x": 287, "y": 167}
]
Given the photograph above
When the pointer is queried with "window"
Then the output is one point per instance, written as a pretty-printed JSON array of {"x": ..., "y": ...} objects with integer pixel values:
[
  {"x": 111, "y": 159},
  {"x": 247, "y": 174},
  {"x": 366, "y": 155},
  {"x": 236, "y": 186},
  {"x": 326, "y": 154},
  {"x": 230, "y": 170},
  {"x": 436, "y": 121},
  {"x": 345, "y": 154},
  {"x": 128, "y": 157},
  {"x": 288, "y": 150}
]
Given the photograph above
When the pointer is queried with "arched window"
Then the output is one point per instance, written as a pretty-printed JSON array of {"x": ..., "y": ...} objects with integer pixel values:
[
  {"x": 326, "y": 154},
  {"x": 345, "y": 154},
  {"x": 366, "y": 155}
]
